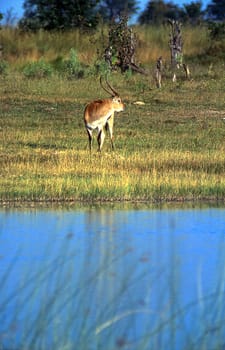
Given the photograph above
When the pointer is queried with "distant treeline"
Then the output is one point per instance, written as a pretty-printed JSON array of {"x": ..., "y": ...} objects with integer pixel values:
[{"x": 67, "y": 14}]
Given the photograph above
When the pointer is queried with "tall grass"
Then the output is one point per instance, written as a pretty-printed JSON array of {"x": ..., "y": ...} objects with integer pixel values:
[
  {"x": 20, "y": 48},
  {"x": 154, "y": 42}
]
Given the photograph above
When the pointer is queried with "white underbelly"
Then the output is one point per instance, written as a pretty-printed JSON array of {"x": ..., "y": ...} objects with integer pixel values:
[{"x": 98, "y": 124}]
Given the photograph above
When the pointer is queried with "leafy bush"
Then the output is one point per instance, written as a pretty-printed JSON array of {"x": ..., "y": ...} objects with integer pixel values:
[
  {"x": 217, "y": 30},
  {"x": 100, "y": 67},
  {"x": 3, "y": 66},
  {"x": 72, "y": 67},
  {"x": 216, "y": 49},
  {"x": 39, "y": 69}
]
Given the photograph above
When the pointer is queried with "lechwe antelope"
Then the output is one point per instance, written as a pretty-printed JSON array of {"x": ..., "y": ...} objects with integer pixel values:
[{"x": 99, "y": 114}]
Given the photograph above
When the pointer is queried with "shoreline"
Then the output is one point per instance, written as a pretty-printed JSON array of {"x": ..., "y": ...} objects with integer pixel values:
[{"x": 109, "y": 203}]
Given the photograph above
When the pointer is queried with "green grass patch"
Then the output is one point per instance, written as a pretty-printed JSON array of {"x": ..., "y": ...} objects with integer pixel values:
[{"x": 170, "y": 148}]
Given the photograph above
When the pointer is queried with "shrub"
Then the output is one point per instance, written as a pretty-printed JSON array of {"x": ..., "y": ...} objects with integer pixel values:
[
  {"x": 3, "y": 66},
  {"x": 72, "y": 67},
  {"x": 217, "y": 40},
  {"x": 100, "y": 67},
  {"x": 39, "y": 69},
  {"x": 216, "y": 30}
]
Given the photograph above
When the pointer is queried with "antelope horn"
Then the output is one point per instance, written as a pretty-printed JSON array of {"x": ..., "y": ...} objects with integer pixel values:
[
  {"x": 111, "y": 88},
  {"x": 109, "y": 92}
]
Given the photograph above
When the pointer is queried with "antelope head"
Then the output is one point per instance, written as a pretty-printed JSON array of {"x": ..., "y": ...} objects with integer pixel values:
[{"x": 119, "y": 106}]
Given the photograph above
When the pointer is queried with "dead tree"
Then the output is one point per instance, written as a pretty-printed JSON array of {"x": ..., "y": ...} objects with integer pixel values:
[
  {"x": 176, "y": 49},
  {"x": 158, "y": 72},
  {"x": 120, "y": 52},
  {"x": 108, "y": 55}
]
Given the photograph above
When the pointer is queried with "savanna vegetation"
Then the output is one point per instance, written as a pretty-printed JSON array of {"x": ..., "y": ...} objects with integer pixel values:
[{"x": 170, "y": 147}]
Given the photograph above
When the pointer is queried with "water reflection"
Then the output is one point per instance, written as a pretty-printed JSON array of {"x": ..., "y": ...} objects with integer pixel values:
[{"x": 112, "y": 279}]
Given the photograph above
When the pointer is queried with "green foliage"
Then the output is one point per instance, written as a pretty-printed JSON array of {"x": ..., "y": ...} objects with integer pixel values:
[
  {"x": 194, "y": 12},
  {"x": 217, "y": 30},
  {"x": 72, "y": 67},
  {"x": 216, "y": 10},
  {"x": 39, "y": 69},
  {"x": 109, "y": 9},
  {"x": 65, "y": 14},
  {"x": 157, "y": 11},
  {"x": 216, "y": 49},
  {"x": 100, "y": 67},
  {"x": 3, "y": 67}
]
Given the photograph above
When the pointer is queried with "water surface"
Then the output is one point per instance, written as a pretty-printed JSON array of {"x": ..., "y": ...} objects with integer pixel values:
[{"x": 106, "y": 278}]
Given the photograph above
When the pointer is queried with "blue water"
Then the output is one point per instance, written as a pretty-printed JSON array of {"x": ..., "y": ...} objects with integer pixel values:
[{"x": 110, "y": 279}]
